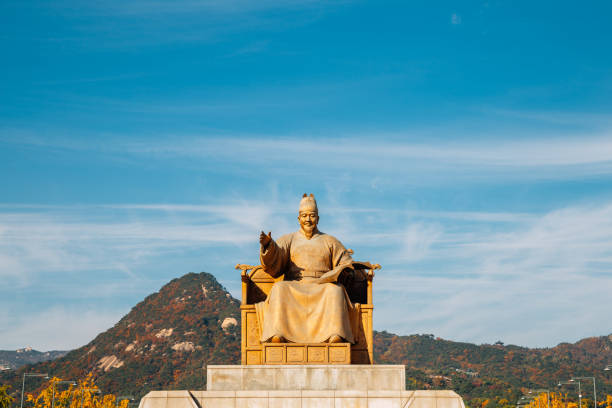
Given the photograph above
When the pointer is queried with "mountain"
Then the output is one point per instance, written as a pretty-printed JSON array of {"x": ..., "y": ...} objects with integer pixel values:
[
  {"x": 166, "y": 341},
  {"x": 12, "y": 359},
  {"x": 495, "y": 371}
]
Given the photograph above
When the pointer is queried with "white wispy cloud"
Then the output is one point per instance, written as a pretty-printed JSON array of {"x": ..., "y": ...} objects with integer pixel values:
[
  {"x": 544, "y": 281},
  {"x": 473, "y": 159},
  {"x": 43, "y": 243},
  {"x": 112, "y": 24},
  {"x": 520, "y": 282},
  {"x": 418, "y": 240},
  {"x": 55, "y": 328},
  {"x": 590, "y": 119}
]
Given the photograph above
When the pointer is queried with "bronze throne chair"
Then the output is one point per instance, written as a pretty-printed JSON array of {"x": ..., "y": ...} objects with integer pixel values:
[{"x": 256, "y": 285}]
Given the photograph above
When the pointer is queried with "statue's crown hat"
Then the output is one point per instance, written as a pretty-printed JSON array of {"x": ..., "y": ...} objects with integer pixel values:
[{"x": 308, "y": 203}]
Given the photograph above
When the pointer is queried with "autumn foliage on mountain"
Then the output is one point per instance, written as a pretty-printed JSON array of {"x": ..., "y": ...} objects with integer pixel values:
[
  {"x": 166, "y": 341},
  {"x": 560, "y": 400},
  {"x": 495, "y": 375}
]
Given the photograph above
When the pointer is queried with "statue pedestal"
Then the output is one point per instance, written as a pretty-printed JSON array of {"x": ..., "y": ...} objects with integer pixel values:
[
  {"x": 308, "y": 386},
  {"x": 306, "y": 377}
]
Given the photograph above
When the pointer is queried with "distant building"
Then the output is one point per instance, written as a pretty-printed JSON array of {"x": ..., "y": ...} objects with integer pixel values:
[{"x": 467, "y": 372}]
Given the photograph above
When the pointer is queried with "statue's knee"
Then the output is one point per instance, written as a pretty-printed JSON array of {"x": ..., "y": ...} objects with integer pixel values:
[
  {"x": 336, "y": 290},
  {"x": 281, "y": 285}
]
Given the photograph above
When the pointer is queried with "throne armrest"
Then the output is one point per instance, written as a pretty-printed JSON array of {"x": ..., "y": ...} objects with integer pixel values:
[
  {"x": 244, "y": 276},
  {"x": 360, "y": 289},
  {"x": 256, "y": 283}
]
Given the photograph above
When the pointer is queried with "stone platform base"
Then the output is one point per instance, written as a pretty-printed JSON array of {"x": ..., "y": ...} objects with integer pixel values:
[
  {"x": 302, "y": 399},
  {"x": 308, "y": 386}
]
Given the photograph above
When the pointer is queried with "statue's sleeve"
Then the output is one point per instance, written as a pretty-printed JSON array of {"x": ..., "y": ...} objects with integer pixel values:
[
  {"x": 341, "y": 260},
  {"x": 275, "y": 256},
  {"x": 340, "y": 256}
]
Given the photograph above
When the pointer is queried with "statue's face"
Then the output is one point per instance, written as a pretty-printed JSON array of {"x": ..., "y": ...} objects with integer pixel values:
[{"x": 308, "y": 220}]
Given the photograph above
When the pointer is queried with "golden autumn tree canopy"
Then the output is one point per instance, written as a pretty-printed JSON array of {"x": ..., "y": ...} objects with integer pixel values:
[{"x": 84, "y": 394}]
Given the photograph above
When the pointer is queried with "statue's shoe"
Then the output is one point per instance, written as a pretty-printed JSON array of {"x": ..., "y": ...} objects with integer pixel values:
[
  {"x": 277, "y": 339},
  {"x": 335, "y": 339}
]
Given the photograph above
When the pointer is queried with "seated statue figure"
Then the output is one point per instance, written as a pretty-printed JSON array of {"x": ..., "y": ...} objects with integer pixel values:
[{"x": 308, "y": 306}]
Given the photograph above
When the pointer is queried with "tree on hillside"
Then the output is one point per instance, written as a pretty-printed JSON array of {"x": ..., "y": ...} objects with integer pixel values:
[
  {"x": 607, "y": 403},
  {"x": 560, "y": 400},
  {"x": 5, "y": 398},
  {"x": 83, "y": 395}
]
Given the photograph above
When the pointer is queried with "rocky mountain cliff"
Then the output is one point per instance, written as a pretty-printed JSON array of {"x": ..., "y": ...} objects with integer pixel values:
[{"x": 166, "y": 341}]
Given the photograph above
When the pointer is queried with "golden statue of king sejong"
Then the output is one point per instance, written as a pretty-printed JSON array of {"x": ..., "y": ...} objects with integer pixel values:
[
  {"x": 308, "y": 302},
  {"x": 308, "y": 306}
]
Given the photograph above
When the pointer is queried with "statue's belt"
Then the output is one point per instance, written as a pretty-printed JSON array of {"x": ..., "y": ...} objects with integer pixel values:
[{"x": 307, "y": 274}]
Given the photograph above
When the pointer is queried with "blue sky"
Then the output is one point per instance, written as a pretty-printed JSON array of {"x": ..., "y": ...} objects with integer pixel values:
[{"x": 465, "y": 146}]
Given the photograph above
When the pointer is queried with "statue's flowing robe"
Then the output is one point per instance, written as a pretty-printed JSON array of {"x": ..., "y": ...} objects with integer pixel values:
[{"x": 307, "y": 306}]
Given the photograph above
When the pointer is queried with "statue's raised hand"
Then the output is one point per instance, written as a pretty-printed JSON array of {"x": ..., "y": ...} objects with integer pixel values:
[{"x": 264, "y": 239}]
